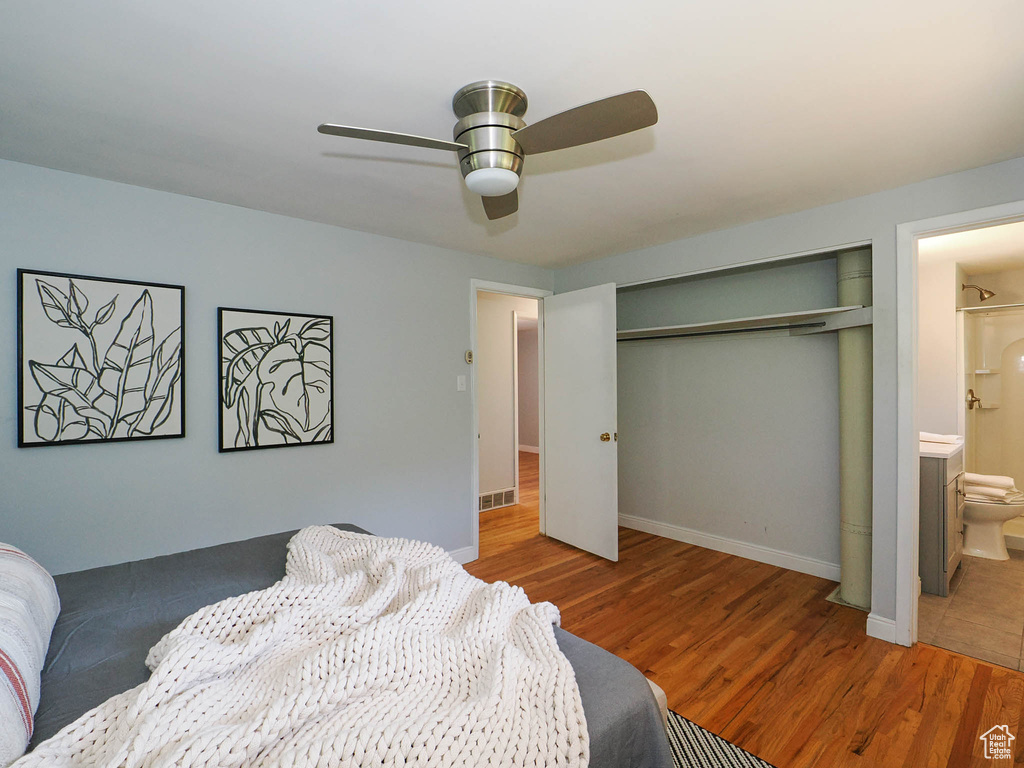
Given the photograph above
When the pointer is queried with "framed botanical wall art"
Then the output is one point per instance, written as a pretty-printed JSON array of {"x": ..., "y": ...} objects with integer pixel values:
[
  {"x": 276, "y": 379},
  {"x": 99, "y": 359}
]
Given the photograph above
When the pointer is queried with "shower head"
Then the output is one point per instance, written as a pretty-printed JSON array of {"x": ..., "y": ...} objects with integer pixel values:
[{"x": 985, "y": 294}]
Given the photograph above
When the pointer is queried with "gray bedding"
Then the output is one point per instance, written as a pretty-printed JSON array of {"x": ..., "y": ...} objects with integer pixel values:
[{"x": 110, "y": 617}]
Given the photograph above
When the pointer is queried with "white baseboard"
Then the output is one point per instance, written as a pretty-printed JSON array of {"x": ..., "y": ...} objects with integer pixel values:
[
  {"x": 733, "y": 547},
  {"x": 529, "y": 448},
  {"x": 882, "y": 628},
  {"x": 464, "y": 555}
]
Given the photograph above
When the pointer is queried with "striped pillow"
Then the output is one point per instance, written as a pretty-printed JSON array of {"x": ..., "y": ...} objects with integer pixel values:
[{"x": 28, "y": 609}]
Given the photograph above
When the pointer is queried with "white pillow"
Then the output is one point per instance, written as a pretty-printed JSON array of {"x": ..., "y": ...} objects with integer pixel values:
[{"x": 28, "y": 609}]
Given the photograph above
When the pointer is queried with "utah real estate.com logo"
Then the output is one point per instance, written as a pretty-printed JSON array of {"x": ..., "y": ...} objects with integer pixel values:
[{"x": 997, "y": 742}]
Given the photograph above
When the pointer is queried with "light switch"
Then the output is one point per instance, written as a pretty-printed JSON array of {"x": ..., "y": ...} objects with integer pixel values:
[{"x": 460, "y": 383}]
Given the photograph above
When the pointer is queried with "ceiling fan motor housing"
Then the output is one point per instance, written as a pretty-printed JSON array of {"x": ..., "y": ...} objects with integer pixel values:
[{"x": 489, "y": 111}]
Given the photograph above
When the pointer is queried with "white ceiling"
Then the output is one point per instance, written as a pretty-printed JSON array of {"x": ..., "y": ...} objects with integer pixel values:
[
  {"x": 765, "y": 108},
  {"x": 979, "y": 251}
]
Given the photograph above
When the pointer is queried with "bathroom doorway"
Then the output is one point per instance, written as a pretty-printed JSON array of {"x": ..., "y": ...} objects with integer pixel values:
[{"x": 971, "y": 415}]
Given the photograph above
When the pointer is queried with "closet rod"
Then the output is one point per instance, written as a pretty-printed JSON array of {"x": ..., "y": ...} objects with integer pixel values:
[{"x": 694, "y": 334}]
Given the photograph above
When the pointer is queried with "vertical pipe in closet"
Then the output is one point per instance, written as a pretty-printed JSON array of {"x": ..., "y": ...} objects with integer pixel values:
[{"x": 853, "y": 273}]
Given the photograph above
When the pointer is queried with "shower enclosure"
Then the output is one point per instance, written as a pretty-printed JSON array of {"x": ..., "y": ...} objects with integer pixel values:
[{"x": 993, "y": 365}]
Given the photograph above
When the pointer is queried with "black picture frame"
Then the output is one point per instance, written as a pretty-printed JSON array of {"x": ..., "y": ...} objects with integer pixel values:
[
  {"x": 100, "y": 359},
  {"x": 275, "y": 379}
]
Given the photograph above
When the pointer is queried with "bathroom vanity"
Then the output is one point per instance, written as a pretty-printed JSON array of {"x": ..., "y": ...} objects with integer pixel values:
[{"x": 941, "y": 535}]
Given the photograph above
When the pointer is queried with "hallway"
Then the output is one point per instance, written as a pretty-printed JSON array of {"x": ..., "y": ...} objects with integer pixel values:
[{"x": 507, "y": 526}]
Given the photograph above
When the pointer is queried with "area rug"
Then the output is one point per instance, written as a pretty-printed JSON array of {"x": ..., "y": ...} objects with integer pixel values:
[{"x": 693, "y": 747}]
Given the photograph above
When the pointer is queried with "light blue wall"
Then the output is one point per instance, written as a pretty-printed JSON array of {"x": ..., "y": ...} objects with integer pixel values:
[
  {"x": 400, "y": 464},
  {"x": 871, "y": 218}
]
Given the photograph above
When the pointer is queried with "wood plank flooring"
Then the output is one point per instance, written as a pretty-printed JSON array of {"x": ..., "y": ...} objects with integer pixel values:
[{"x": 754, "y": 653}]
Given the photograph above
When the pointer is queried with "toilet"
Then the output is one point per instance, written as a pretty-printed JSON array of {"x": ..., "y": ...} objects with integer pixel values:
[{"x": 983, "y": 527}]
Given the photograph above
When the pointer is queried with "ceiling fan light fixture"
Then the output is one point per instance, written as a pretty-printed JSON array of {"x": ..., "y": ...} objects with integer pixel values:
[
  {"x": 492, "y": 182},
  {"x": 492, "y": 140}
]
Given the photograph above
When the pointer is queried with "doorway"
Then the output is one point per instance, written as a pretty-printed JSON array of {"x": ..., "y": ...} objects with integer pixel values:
[
  {"x": 577, "y": 469},
  {"x": 507, "y": 337},
  {"x": 904, "y": 629},
  {"x": 971, "y": 394},
  {"x": 507, "y": 388}
]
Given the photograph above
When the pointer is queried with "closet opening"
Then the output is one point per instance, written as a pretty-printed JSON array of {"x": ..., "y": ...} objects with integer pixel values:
[{"x": 744, "y": 424}]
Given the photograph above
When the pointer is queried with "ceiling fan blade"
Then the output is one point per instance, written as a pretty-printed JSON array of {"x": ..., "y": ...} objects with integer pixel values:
[
  {"x": 390, "y": 137},
  {"x": 502, "y": 205},
  {"x": 595, "y": 121}
]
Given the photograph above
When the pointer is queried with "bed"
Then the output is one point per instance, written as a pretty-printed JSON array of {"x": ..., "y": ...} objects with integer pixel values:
[{"x": 111, "y": 616}]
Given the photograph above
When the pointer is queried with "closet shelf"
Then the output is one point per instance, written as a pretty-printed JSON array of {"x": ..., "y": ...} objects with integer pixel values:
[{"x": 798, "y": 323}]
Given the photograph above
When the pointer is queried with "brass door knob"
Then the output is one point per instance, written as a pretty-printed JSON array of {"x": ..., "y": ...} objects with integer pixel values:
[{"x": 605, "y": 437}]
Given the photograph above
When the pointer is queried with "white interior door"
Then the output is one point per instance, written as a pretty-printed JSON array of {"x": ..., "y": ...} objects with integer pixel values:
[{"x": 580, "y": 456}]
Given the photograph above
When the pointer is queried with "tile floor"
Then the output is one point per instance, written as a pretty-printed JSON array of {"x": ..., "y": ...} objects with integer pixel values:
[{"x": 983, "y": 617}]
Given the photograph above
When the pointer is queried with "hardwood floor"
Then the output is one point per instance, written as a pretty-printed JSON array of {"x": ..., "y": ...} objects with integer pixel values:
[{"x": 754, "y": 653}]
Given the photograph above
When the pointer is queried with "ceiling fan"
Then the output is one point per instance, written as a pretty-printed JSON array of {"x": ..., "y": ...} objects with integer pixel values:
[{"x": 492, "y": 139}]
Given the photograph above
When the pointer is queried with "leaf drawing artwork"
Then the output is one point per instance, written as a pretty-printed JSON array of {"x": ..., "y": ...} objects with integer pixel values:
[
  {"x": 100, "y": 359},
  {"x": 276, "y": 379}
]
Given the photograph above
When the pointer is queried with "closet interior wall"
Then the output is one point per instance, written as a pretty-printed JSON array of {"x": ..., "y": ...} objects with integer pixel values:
[{"x": 732, "y": 441}]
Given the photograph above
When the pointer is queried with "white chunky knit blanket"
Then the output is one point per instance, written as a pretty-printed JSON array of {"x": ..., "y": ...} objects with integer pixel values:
[{"x": 370, "y": 651}]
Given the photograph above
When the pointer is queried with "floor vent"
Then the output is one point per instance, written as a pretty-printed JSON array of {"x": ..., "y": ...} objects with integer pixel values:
[{"x": 505, "y": 498}]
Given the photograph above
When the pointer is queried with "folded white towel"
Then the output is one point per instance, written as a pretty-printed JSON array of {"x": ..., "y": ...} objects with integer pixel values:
[
  {"x": 981, "y": 493},
  {"x": 931, "y": 437},
  {"x": 987, "y": 500},
  {"x": 992, "y": 481},
  {"x": 988, "y": 490}
]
